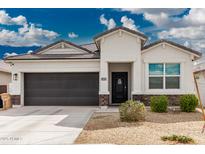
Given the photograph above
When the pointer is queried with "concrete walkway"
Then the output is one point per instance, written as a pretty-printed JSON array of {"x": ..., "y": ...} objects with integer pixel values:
[{"x": 43, "y": 125}]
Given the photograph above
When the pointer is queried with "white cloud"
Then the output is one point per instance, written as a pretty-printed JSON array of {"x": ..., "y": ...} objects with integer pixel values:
[
  {"x": 165, "y": 18},
  {"x": 30, "y": 51},
  {"x": 108, "y": 23},
  {"x": 155, "y": 11},
  {"x": 195, "y": 17},
  {"x": 128, "y": 22},
  {"x": 72, "y": 35},
  {"x": 160, "y": 19},
  {"x": 28, "y": 34},
  {"x": 184, "y": 33},
  {"x": 186, "y": 44},
  {"x": 7, "y": 20},
  {"x": 7, "y": 54},
  {"x": 192, "y": 36},
  {"x": 188, "y": 29}
]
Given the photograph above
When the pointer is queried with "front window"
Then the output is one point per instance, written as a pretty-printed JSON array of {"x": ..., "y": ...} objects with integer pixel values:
[{"x": 164, "y": 76}]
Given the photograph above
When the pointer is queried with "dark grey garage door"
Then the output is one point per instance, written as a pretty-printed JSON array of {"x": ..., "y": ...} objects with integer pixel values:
[{"x": 77, "y": 89}]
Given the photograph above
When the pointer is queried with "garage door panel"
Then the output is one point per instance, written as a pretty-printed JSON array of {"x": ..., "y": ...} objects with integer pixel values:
[
  {"x": 62, "y": 101},
  {"x": 61, "y": 88},
  {"x": 60, "y": 92},
  {"x": 74, "y": 84}
]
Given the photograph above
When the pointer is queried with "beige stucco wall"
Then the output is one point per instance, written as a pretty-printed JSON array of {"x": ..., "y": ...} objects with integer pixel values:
[
  {"x": 169, "y": 54},
  {"x": 5, "y": 78},
  {"x": 120, "y": 47}
]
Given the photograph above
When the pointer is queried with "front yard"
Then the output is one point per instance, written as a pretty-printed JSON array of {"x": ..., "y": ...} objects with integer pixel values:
[{"x": 106, "y": 128}]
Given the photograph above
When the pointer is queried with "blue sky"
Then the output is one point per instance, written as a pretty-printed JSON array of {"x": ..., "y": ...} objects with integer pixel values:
[{"x": 22, "y": 30}]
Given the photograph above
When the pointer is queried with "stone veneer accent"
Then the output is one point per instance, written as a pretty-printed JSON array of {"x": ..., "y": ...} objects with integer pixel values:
[
  {"x": 16, "y": 99},
  {"x": 173, "y": 99},
  {"x": 3, "y": 89},
  {"x": 103, "y": 100}
]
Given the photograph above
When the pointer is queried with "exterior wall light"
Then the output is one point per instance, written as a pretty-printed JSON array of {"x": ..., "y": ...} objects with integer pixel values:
[{"x": 15, "y": 77}]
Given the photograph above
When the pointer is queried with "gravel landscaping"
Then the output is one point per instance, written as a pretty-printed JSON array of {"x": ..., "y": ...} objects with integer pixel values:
[{"x": 106, "y": 128}]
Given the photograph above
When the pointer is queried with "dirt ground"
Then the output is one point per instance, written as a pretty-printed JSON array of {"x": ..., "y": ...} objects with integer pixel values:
[{"x": 106, "y": 128}]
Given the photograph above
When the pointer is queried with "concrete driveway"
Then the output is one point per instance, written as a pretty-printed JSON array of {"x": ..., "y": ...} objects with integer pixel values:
[{"x": 43, "y": 124}]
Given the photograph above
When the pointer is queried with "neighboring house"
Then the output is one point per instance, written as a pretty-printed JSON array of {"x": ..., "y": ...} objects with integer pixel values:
[
  {"x": 5, "y": 76},
  {"x": 199, "y": 70},
  {"x": 118, "y": 66}
]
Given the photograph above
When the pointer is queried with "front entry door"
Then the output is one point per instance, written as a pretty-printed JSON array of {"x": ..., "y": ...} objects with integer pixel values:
[{"x": 119, "y": 87}]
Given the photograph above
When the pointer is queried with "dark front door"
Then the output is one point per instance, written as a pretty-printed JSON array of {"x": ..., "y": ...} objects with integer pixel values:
[{"x": 119, "y": 87}]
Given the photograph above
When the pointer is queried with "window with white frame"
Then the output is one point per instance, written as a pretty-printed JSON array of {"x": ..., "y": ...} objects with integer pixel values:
[{"x": 164, "y": 75}]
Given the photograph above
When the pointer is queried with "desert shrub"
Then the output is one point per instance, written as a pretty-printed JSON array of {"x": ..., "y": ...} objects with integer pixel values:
[
  {"x": 188, "y": 103},
  {"x": 132, "y": 111},
  {"x": 178, "y": 139},
  {"x": 159, "y": 103}
]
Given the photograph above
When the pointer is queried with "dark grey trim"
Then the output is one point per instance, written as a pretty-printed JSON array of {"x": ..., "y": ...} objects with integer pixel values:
[
  {"x": 52, "y": 58},
  {"x": 174, "y": 44}
]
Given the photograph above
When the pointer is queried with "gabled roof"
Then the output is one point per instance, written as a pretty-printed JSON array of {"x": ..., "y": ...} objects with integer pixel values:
[
  {"x": 174, "y": 44},
  {"x": 60, "y": 41},
  {"x": 88, "y": 54},
  {"x": 120, "y": 28}
]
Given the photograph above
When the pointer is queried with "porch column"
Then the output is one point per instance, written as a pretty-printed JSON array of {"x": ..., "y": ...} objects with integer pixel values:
[
  {"x": 103, "y": 81},
  {"x": 136, "y": 78}
]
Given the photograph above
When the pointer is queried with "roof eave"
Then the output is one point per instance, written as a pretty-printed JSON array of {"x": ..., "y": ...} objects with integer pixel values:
[{"x": 50, "y": 59}]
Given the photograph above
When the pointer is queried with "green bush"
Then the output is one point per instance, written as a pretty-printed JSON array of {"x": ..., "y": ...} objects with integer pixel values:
[
  {"x": 132, "y": 111},
  {"x": 159, "y": 103},
  {"x": 178, "y": 139},
  {"x": 188, "y": 103}
]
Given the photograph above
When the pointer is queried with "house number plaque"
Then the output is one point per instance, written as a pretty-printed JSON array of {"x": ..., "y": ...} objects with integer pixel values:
[{"x": 103, "y": 79}]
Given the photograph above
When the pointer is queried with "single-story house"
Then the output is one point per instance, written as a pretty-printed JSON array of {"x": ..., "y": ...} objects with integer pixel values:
[
  {"x": 119, "y": 65},
  {"x": 5, "y": 76},
  {"x": 199, "y": 71}
]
